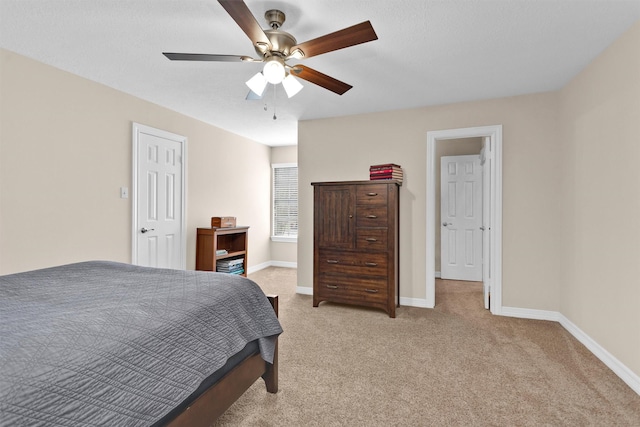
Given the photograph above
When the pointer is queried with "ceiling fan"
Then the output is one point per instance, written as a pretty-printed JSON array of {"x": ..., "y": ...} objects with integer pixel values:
[{"x": 275, "y": 47}]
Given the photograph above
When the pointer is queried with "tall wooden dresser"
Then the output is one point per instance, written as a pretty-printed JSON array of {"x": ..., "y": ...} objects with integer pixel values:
[{"x": 355, "y": 243}]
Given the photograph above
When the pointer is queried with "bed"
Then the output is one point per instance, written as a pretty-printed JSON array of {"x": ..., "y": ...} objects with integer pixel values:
[{"x": 105, "y": 343}]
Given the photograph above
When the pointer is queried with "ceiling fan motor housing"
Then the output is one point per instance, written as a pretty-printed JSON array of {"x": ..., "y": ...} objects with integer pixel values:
[
  {"x": 281, "y": 42},
  {"x": 275, "y": 18}
]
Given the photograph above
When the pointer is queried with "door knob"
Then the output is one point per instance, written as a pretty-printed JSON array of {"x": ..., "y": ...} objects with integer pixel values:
[
  {"x": 145, "y": 230},
  {"x": 446, "y": 223}
]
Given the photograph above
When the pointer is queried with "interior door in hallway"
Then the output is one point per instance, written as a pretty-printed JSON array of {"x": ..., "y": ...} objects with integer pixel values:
[
  {"x": 461, "y": 217},
  {"x": 159, "y": 198}
]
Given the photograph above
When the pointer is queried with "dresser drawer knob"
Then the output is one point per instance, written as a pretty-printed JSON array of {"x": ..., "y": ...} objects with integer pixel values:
[
  {"x": 371, "y": 239},
  {"x": 372, "y": 216},
  {"x": 332, "y": 261},
  {"x": 372, "y": 194},
  {"x": 371, "y": 291},
  {"x": 332, "y": 287},
  {"x": 371, "y": 264}
]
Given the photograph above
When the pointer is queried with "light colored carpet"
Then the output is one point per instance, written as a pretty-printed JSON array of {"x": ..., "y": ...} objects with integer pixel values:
[{"x": 455, "y": 365}]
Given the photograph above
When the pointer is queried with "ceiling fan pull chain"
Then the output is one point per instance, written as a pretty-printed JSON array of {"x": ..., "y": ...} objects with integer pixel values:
[{"x": 274, "y": 103}]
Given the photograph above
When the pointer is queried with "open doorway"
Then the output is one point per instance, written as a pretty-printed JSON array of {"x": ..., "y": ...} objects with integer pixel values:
[
  {"x": 491, "y": 140},
  {"x": 459, "y": 226},
  {"x": 459, "y": 209}
]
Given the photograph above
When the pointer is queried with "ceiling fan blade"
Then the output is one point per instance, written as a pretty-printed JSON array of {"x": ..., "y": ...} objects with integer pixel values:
[
  {"x": 320, "y": 79},
  {"x": 206, "y": 57},
  {"x": 245, "y": 19},
  {"x": 351, "y": 36}
]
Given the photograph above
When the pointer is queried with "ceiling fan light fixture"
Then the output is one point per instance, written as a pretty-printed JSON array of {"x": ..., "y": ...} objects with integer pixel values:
[
  {"x": 257, "y": 83},
  {"x": 291, "y": 85},
  {"x": 274, "y": 70}
]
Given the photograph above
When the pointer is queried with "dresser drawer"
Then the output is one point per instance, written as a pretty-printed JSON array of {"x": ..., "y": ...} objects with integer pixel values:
[
  {"x": 371, "y": 194},
  {"x": 373, "y": 239},
  {"x": 367, "y": 264},
  {"x": 351, "y": 290},
  {"x": 371, "y": 216}
]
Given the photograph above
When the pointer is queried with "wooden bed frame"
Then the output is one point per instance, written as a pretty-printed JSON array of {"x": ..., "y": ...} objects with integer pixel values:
[{"x": 211, "y": 404}]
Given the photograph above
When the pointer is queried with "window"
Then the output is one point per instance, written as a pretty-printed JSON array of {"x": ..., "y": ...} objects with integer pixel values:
[{"x": 285, "y": 202}]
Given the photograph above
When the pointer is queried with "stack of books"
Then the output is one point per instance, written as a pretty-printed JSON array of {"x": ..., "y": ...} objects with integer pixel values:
[
  {"x": 231, "y": 266},
  {"x": 386, "y": 171}
]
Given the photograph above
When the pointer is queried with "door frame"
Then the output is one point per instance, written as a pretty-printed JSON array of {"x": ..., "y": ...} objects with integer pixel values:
[
  {"x": 138, "y": 129},
  {"x": 485, "y": 162},
  {"x": 494, "y": 133}
]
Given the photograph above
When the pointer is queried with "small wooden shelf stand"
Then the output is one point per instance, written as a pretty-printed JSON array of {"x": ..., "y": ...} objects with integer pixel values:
[{"x": 210, "y": 240}]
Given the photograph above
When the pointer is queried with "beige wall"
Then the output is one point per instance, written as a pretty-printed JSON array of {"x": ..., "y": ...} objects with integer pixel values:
[
  {"x": 600, "y": 289},
  {"x": 450, "y": 147},
  {"x": 284, "y": 154},
  {"x": 531, "y": 170},
  {"x": 65, "y": 151},
  {"x": 284, "y": 253}
]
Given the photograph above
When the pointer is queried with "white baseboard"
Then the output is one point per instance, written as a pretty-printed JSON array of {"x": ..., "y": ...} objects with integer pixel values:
[
  {"x": 299, "y": 289},
  {"x": 284, "y": 264},
  {"x": 254, "y": 268},
  {"x": 264, "y": 265},
  {"x": 414, "y": 302},
  {"x": 304, "y": 290},
  {"x": 619, "y": 368},
  {"x": 528, "y": 313}
]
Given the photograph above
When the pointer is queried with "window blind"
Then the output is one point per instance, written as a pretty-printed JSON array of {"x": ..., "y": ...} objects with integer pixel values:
[{"x": 285, "y": 201}]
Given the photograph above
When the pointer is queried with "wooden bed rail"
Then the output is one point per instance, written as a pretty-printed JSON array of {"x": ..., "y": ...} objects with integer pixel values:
[{"x": 217, "y": 399}]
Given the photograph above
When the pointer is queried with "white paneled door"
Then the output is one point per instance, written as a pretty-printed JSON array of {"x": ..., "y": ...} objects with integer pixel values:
[
  {"x": 158, "y": 198},
  {"x": 461, "y": 217}
]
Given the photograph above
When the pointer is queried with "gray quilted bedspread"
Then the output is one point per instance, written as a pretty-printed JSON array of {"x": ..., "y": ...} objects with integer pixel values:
[{"x": 104, "y": 343}]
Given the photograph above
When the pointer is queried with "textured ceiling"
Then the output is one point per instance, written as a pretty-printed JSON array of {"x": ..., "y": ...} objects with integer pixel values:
[{"x": 428, "y": 52}]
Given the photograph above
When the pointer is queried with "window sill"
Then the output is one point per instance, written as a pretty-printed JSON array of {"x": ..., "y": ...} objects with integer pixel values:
[{"x": 284, "y": 239}]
